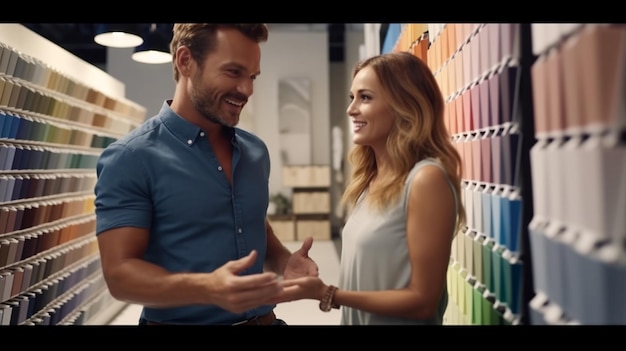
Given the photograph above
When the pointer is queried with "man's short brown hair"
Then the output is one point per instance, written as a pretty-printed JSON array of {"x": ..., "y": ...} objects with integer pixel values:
[{"x": 200, "y": 37}]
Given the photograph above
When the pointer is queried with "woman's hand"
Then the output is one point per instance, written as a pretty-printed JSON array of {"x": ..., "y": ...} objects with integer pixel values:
[
  {"x": 300, "y": 264},
  {"x": 308, "y": 287}
]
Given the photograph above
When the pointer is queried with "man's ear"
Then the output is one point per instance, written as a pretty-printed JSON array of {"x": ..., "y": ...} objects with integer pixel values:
[{"x": 184, "y": 60}]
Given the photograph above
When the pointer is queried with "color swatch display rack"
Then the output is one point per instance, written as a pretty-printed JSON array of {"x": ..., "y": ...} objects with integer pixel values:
[
  {"x": 477, "y": 68},
  {"x": 538, "y": 114},
  {"x": 52, "y": 130},
  {"x": 578, "y": 230}
]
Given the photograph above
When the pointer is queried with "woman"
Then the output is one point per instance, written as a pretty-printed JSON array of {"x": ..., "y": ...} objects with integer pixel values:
[{"x": 404, "y": 195}]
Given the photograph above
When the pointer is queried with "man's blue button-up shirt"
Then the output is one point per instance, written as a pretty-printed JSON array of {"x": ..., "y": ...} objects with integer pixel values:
[{"x": 164, "y": 176}]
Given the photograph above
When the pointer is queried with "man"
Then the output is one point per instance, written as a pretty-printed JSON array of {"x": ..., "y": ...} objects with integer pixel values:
[{"x": 181, "y": 201}]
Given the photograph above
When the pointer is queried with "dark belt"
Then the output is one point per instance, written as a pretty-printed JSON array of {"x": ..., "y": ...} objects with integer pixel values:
[{"x": 266, "y": 319}]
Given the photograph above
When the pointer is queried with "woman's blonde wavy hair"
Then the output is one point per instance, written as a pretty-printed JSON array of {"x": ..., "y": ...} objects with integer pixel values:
[{"x": 418, "y": 132}]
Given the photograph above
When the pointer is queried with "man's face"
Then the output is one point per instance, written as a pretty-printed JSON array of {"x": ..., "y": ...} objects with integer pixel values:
[{"x": 221, "y": 86}]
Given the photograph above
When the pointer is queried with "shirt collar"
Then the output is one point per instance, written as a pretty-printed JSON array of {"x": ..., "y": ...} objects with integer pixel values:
[{"x": 182, "y": 129}]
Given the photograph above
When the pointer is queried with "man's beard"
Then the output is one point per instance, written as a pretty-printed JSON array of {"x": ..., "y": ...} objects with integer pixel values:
[
  {"x": 207, "y": 106},
  {"x": 203, "y": 105}
]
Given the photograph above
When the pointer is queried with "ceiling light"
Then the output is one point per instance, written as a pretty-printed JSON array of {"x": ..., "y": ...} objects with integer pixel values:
[
  {"x": 118, "y": 35},
  {"x": 155, "y": 48}
]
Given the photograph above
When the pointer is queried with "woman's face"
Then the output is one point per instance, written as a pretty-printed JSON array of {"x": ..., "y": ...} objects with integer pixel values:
[{"x": 371, "y": 117}]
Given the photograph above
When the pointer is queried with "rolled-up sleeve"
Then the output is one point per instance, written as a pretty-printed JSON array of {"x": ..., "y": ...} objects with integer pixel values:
[{"x": 122, "y": 190}]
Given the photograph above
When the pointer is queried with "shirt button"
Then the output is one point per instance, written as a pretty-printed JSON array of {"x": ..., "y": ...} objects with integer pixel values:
[
  {"x": 239, "y": 230},
  {"x": 219, "y": 168},
  {"x": 201, "y": 134},
  {"x": 189, "y": 141}
]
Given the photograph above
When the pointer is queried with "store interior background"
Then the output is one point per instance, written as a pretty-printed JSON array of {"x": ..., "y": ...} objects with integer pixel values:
[{"x": 295, "y": 51}]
